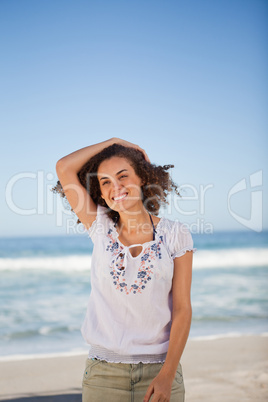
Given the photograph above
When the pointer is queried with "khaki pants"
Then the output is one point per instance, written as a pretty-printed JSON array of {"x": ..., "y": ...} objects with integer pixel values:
[{"x": 120, "y": 382}]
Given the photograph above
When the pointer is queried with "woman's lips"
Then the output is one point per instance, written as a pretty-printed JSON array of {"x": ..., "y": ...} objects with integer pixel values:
[{"x": 120, "y": 197}]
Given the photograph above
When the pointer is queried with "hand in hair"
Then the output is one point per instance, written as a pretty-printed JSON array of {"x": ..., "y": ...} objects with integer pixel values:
[{"x": 130, "y": 145}]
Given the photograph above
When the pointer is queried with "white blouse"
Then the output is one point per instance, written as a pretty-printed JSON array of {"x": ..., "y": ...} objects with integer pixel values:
[{"x": 128, "y": 317}]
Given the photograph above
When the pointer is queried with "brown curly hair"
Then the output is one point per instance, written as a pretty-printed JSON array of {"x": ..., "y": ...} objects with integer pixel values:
[{"x": 157, "y": 182}]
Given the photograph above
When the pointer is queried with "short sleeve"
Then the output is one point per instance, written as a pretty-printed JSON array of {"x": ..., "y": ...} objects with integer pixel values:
[
  {"x": 180, "y": 240},
  {"x": 100, "y": 224}
]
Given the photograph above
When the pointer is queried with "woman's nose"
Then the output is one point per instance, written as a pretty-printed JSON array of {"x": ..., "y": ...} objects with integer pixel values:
[{"x": 116, "y": 184}]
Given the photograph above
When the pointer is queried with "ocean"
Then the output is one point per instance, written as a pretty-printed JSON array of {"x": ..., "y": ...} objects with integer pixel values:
[{"x": 45, "y": 286}]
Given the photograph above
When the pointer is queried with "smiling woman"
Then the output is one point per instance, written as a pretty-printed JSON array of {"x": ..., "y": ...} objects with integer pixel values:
[
  {"x": 139, "y": 312},
  {"x": 121, "y": 186},
  {"x": 155, "y": 180}
]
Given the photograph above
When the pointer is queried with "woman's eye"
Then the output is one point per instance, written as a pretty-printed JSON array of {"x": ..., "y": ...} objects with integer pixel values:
[{"x": 108, "y": 181}]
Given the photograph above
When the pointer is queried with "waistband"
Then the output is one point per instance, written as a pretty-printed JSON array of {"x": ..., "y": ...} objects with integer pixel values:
[{"x": 101, "y": 353}]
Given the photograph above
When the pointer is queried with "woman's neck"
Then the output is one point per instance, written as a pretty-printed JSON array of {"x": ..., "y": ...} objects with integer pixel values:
[{"x": 134, "y": 222}]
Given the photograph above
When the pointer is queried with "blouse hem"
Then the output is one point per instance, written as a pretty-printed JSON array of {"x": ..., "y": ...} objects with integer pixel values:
[
  {"x": 183, "y": 251},
  {"x": 100, "y": 353}
]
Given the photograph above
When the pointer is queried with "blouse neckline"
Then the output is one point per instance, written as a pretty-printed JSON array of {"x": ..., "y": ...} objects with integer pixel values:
[{"x": 157, "y": 227}]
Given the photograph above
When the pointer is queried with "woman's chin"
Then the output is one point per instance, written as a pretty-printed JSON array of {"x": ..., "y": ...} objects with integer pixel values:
[
  {"x": 124, "y": 206},
  {"x": 119, "y": 207}
]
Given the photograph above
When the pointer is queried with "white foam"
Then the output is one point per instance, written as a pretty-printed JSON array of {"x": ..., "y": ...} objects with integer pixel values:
[
  {"x": 44, "y": 330},
  {"x": 227, "y": 335},
  {"x": 236, "y": 257},
  {"x": 68, "y": 263},
  {"x": 217, "y": 258},
  {"x": 74, "y": 352}
]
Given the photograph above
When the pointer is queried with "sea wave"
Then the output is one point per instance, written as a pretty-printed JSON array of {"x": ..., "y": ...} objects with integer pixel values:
[
  {"x": 217, "y": 258},
  {"x": 235, "y": 257},
  {"x": 73, "y": 352},
  {"x": 61, "y": 263},
  {"x": 226, "y": 335},
  {"x": 43, "y": 331}
]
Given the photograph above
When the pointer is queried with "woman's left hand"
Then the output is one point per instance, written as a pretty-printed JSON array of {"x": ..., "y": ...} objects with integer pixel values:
[{"x": 160, "y": 387}]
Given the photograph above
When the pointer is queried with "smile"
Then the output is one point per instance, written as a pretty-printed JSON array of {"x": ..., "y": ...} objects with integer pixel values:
[{"x": 120, "y": 197}]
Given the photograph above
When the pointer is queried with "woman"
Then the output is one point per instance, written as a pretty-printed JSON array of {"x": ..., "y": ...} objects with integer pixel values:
[{"x": 139, "y": 311}]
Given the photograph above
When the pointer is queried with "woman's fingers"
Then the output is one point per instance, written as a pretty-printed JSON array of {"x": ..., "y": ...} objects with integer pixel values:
[
  {"x": 144, "y": 153},
  {"x": 146, "y": 156},
  {"x": 131, "y": 145}
]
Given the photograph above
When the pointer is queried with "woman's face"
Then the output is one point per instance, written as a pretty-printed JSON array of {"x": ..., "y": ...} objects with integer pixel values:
[{"x": 119, "y": 184}]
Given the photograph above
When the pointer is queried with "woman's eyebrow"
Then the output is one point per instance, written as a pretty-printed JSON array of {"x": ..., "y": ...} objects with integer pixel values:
[{"x": 120, "y": 171}]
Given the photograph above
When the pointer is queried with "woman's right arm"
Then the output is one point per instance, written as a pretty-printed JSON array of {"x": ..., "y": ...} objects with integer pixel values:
[{"x": 76, "y": 194}]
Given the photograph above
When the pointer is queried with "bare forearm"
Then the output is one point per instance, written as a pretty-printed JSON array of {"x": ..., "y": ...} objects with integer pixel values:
[
  {"x": 77, "y": 159},
  {"x": 179, "y": 333}
]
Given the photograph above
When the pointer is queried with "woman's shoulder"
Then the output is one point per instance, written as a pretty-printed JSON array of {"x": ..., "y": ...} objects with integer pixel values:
[
  {"x": 176, "y": 235},
  {"x": 101, "y": 224},
  {"x": 174, "y": 231},
  {"x": 170, "y": 225}
]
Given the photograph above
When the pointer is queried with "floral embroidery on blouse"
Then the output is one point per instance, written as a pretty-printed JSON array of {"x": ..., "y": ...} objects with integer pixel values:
[{"x": 150, "y": 253}]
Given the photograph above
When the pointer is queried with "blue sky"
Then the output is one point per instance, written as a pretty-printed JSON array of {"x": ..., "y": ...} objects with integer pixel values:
[{"x": 186, "y": 80}]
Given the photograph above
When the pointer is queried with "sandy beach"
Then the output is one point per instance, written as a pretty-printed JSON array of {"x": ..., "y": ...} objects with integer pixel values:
[{"x": 226, "y": 369}]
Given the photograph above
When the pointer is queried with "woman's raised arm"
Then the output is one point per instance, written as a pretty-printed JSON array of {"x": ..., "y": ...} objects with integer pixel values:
[{"x": 76, "y": 194}]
